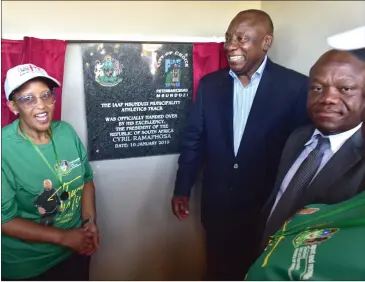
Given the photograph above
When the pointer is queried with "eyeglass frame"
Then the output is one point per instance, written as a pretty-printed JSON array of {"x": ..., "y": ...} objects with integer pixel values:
[{"x": 19, "y": 99}]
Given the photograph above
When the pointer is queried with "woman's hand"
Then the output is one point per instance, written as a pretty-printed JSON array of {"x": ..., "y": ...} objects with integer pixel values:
[
  {"x": 92, "y": 228},
  {"x": 78, "y": 239}
]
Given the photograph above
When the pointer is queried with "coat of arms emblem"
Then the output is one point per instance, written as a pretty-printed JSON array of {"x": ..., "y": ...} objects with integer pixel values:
[{"x": 108, "y": 72}]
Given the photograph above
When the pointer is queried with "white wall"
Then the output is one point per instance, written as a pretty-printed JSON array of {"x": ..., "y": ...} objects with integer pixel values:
[
  {"x": 115, "y": 19},
  {"x": 301, "y": 28},
  {"x": 141, "y": 240}
]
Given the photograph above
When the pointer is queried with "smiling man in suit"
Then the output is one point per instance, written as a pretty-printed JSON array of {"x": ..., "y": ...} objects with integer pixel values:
[
  {"x": 237, "y": 128},
  {"x": 323, "y": 163}
]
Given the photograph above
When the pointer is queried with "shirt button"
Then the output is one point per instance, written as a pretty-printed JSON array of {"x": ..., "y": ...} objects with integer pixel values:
[{"x": 235, "y": 166}]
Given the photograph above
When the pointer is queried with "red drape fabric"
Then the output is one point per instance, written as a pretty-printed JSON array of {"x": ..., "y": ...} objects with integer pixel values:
[
  {"x": 207, "y": 58},
  {"x": 11, "y": 55},
  {"x": 45, "y": 53}
]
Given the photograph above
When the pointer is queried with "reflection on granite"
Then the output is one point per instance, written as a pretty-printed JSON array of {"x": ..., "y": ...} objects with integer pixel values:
[{"x": 137, "y": 98}]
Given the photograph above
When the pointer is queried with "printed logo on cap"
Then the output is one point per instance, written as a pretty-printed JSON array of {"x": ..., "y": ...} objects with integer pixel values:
[{"x": 25, "y": 69}]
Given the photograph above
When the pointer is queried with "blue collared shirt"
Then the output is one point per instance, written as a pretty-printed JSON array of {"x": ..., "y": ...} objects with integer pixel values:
[{"x": 243, "y": 97}]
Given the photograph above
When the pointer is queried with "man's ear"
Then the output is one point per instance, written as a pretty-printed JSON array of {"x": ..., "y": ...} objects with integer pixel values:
[
  {"x": 13, "y": 108},
  {"x": 268, "y": 39}
]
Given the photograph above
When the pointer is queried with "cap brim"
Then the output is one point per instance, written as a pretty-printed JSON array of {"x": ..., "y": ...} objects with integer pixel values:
[
  {"x": 53, "y": 80},
  {"x": 349, "y": 40}
]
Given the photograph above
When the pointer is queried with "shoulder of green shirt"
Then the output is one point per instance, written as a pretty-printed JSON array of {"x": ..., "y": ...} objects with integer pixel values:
[
  {"x": 61, "y": 125},
  {"x": 9, "y": 131}
]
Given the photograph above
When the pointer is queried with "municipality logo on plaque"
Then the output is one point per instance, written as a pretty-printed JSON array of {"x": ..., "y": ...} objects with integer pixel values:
[
  {"x": 108, "y": 72},
  {"x": 172, "y": 72},
  {"x": 174, "y": 62}
]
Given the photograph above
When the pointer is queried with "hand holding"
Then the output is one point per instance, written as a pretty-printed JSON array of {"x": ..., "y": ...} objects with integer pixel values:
[
  {"x": 92, "y": 229},
  {"x": 78, "y": 240}
]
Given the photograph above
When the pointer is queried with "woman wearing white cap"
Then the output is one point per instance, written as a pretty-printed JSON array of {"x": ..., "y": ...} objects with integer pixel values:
[{"x": 47, "y": 204}]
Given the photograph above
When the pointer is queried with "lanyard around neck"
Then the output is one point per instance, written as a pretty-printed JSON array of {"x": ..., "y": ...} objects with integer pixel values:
[{"x": 58, "y": 176}]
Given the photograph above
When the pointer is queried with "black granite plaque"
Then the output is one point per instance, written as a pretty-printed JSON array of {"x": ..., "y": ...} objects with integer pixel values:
[{"x": 137, "y": 98}]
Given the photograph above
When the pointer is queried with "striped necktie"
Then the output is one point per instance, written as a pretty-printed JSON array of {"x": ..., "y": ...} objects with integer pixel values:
[{"x": 287, "y": 205}]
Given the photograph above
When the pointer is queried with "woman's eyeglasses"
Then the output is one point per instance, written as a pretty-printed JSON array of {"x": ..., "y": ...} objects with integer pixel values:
[{"x": 30, "y": 101}]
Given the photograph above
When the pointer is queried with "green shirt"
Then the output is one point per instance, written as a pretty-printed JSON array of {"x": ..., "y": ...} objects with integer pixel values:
[
  {"x": 30, "y": 190},
  {"x": 321, "y": 242}
]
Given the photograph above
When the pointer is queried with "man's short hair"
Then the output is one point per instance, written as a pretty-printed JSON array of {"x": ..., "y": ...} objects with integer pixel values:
[{"x": 261, "y": 16}]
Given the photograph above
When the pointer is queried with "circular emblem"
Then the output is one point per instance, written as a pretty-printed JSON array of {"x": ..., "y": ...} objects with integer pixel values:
[{"x": 314, "y": 236}]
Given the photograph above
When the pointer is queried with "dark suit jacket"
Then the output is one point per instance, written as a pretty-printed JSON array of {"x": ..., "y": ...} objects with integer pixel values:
[
  {"x": 340, "y": 179},
  {"x": 235, "y": 188}
]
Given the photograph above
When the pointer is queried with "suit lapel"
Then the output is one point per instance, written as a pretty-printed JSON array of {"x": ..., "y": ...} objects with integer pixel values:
[
  {"x": 289, "y": 156},
  {"x": 344, "y": 159},
  {"x": 226, "y": 106},
  {"x": 295, "y": 148}
]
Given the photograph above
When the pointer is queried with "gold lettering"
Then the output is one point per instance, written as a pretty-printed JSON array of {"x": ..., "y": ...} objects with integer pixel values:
[
  {"x": 72, "y": 202},
  {"x": 65, "y": 206},
  {"x": 75, "y": 202},
  {"x": 66, "y": 185},
  {"x": 65, "y": 220}
]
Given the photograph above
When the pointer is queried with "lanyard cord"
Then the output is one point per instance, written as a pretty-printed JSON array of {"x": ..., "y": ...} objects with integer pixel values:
[{"x": 58, "y": 176}]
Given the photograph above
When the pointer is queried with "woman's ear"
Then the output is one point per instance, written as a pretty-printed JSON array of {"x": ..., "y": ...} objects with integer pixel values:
[{"x": 13, "y": 108}]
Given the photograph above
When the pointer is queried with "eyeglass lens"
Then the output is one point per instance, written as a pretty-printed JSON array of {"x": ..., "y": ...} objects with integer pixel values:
[{"x": 29, "y": 100}]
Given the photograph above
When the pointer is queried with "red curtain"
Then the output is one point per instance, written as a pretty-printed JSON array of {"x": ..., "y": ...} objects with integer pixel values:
[
  {"x": 45, "y": 53},
  {"x": 11, "y": 55},
  {"x": 207, "y": 58}
]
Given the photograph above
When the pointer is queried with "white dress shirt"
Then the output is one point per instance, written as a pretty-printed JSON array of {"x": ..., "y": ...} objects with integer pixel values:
[{"x": 336, "y": 142}]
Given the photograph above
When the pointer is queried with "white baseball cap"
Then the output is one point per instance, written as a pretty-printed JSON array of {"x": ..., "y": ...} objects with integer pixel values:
[
  {"x": 17, "y": 76},
  {"x": 350, "y": 40}
]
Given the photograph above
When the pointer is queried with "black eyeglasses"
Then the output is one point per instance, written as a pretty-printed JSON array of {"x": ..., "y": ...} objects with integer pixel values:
[{"x": 30, "y": 101}]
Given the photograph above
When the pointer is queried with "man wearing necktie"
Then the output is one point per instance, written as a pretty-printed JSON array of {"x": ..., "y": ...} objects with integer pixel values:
[{"x": 323, "y": 163}]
